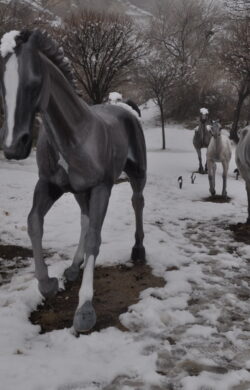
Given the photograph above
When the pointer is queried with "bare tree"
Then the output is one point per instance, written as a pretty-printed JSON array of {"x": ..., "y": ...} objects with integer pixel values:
[
  {"x": 185, "y": 30},
  {"x": 161, "y": 76},
  {"x": 236, "y": 59},
  {"x": 102, "y": 48},
  {"x": 238, "y": 8}
]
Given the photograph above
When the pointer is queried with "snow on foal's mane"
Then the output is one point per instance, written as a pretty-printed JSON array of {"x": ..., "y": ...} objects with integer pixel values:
[
  {"x": 204, "y": 111},
  {"x": 8, "y": 42}
]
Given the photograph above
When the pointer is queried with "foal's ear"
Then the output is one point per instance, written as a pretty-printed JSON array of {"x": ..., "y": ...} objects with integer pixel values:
[{"x": 22, "y": 37}]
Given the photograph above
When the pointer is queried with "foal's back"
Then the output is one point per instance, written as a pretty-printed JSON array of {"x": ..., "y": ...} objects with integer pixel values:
[{"x": 125, "y": 133}]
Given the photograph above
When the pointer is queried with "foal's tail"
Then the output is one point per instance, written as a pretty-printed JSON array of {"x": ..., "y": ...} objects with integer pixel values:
[{"x": 133, "y": 105}]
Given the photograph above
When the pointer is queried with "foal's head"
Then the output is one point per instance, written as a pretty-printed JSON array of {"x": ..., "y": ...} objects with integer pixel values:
[
  {"x": 215, "y": 129},
  {"x": 21, "y": 85},
  {"x": 25, "y": 84}
]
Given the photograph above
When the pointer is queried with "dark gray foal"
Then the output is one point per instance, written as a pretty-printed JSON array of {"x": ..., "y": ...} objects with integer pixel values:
[
  {"x": 81, "y": 149},
  {"x": 202, "y": 137}
]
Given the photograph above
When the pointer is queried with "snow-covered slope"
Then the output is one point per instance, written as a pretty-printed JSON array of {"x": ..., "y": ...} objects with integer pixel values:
[{"x": 192, "y": 334}]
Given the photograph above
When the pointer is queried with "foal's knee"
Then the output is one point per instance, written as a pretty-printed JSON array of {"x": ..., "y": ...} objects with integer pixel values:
[
  {"x": 137, "y": 200},
  {"x": 34, "y": 224},
  {"x": 93, "y": 242}
]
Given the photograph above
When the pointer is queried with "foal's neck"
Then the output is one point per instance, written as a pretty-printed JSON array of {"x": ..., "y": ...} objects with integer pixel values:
[{"x": 67, "y": 119}]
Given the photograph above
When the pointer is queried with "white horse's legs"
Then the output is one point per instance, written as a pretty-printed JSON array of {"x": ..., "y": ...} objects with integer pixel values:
[
  {"x": 45, "y": 195},
  {"x": 72, "y": 272},
  {"x": 211, "y": 176},
  {"x": 224, "y": 178},
  {"x": 85, "y": 317},
  {"x": 201, "y": 169}
]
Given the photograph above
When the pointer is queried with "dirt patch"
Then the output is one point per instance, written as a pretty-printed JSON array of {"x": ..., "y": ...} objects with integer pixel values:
[
  {"x": 12, "y": 258},
  {"x": 116, "y": 288},
  {"x": 9, "y": 252},
  {"x": 241, "y": 232},
  {"x": 217, "y": 199}
]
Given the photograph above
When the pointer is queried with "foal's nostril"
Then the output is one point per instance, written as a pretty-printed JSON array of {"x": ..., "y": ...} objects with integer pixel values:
[{"x": 25, "y": 139}]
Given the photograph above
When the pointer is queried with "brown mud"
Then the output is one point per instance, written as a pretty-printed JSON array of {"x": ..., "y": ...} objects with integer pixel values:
[
  {"x": 12, "y": 258},
  {"x": 217, "y": 199},
  {"x": 116, "y": 288},
  {"x": 241, "y": 232}
]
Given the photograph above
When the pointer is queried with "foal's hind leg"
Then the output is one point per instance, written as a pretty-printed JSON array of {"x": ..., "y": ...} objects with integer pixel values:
[
  {"x": 85, "y": 316},
  {"x": 211, "y": 176},
  {"x": 72, "y": 272},
  {"x": 248, "y": 199},
  {"x": 45, "y": 195},
  {"x": 138, "y": 184},
  {"x": 224, "y": 179}
]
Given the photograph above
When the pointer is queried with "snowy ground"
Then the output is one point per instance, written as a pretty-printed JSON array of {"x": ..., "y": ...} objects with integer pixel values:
[{"x": 192, "y": 334}]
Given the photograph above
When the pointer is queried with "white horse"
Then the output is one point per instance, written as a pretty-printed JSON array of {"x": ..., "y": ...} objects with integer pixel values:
[
  {"x": 242, "y": 158},
  {"x": 202, "y": 137},
  {"x": 219, "y": 150}
]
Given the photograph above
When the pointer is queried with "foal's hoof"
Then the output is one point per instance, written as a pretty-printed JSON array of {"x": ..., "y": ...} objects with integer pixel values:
[
  {"x": 49, "y": 287},
  {"x": 212, "y": 193},
  {"x": 138, "y": 253},
  {"x": 85, "y": 318},
  {"x": 71, "y": 273}
]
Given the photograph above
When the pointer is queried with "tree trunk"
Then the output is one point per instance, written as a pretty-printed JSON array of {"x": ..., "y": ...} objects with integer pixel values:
[
  {"x": 243, "y": 93},
  {"x": 163, "y": 128}
]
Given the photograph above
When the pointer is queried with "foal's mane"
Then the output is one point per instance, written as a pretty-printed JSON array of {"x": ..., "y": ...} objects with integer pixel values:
[{"x": 51, "y": 49}]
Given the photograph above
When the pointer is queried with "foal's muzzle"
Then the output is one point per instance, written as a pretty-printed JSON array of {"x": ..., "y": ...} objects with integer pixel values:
[{"x": 20, "y": 147}]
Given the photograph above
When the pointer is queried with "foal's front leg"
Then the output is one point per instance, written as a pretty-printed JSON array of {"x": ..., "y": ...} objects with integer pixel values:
[
  {"x": 85, "y": 316},
  {"x": 45, "y": 195},
  {"x": 72, "y": 272}
]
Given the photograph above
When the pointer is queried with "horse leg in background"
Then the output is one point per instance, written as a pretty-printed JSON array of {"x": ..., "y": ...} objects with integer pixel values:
[
  {"x": 248, "y": 200},
  {"x": 206, "y": 170},
  {"x": 200, "y": 170},
  {"x": 211, "y": 176},
  {"x": 72, "y": 272},
  {"x": 45, "y": 195},
  {"x": 85, "y": 317},
  {"x": 138, "y": 184},
  {"x": 224, "y": 178}
]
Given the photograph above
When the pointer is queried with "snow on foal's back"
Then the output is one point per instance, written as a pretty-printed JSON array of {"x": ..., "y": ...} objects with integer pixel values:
[{"x": 11, "y": 80}]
